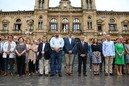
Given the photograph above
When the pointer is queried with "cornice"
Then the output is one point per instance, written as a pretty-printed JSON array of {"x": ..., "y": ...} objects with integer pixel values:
[
  {"x": 16, "y": 12},
  {"x": 112, "y": 12}
]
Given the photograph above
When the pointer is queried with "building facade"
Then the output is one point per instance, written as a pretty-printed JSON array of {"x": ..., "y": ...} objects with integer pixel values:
[{"x": 85, "y": 20}]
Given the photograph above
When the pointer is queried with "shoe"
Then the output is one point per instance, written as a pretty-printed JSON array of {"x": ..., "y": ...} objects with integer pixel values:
[
  {"x": 40, "y": 75},
  {"x": 79, "y": 75},
  {"x": 11, "y": 74},
  {"x": 111, "y": 74},
  {"x": 33, "y": 74},
  {"x": 106, "y": 74},
  {"x": 29, "y": 74},
  {"x": 84, "y": 74},
  {"x": 52, "y": 75},
  {"x": 5, "y": 74},
  {"x": 60, "y": 75},
  {"x": 46, "y": 75}
]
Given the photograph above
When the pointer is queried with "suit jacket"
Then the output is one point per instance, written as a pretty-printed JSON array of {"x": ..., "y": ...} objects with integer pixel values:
[
  {"x": 82, "y": 49},
  {"x": 69, "y": 46},
  {"x": 47, "y": 50}
]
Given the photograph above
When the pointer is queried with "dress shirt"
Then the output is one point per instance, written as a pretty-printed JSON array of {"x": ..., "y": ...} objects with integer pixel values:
[
  {"x": 108, "y": 48},
  {"x": 1, "y": 46},
  {"x": 43, "y": 47},
  {"x": 57, "y": 42},
  {"x": 70, "y": 39}
]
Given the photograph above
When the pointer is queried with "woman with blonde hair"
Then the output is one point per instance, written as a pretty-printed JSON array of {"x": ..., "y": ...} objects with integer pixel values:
[
  {"x": 32, "y": 51},
  {"x": 119, "y": 56}
]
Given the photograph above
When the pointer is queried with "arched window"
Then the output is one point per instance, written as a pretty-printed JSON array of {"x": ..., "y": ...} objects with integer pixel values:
[
  {"x": 112, "y": 25},
  {"x": 53, "y": 24},
  {"x": 76, "y": 24},
  {"x": 17, "y": 25},
  {"x": 40, "y": 22},
  {"x": 18, "y": 20},
  {"x": 65, "y": 24},
  {"x": 41, "y": 3},
  {"x": 40, "y": 25},
  {"x": 5, "y": 25},
  {"x": 100, "y": 24},
  {"x": 89, "y": 4},
  {"x": 30, "y": 23},
  {"x": 125, "y": 25}
]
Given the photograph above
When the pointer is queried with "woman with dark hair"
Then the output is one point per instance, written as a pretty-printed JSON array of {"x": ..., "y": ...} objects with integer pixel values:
[
  {"x": 96, "y": 56},
  {"x": 20, "y": 56},
  {"x": 127, "y": 55},
  {"x": 119, "y": 56}
]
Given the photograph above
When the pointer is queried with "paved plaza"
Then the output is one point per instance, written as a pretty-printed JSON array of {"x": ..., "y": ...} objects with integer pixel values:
[
  {"x": 90, "y": 80},
  {"x": 75, "y": 80}
]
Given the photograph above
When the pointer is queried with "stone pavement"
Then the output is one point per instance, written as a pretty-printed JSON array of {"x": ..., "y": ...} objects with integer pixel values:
[{"x": 74, "y": 80}]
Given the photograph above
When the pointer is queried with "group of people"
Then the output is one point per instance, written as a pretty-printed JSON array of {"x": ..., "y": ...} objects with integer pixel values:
[{"x": 28, "y": 56}]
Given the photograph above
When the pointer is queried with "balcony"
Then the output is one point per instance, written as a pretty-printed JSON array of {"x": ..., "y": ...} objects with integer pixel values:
[
  {"x": 16, "y": 32},
  {"x": 4, "y": 32},
  {"x": 77, "y": 31},
  {"x": 65, "y": 31},
  {"x": 125, "y": 32},
  {"x": 113, "y": 32}
]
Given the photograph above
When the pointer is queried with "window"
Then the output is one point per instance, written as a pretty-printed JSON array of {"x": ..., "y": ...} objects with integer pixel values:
[
  {"x": 17, "y": 25},
  {"x": 53, "y": 24},
  {"x": 5, "y": 27},
  {"x": 40, "y": 17},
  {"x": 89, "y": 25},
  {"x": 65, "y": 24},
  {"x": 41, "y": 2},
  {"x": 125, "y": 27},
  {"x": 99, "y": 27},
  {"x": 30, "y": 27},
  {"x": 112, "y": 27},
  {"x": 76, "y": 24},
  {"x": 18, "y": 20},
  {"x": 40, "y": 25},
  {"x": 89, "y": 4}
]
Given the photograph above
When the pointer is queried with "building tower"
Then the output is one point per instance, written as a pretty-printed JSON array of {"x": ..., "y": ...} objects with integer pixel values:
[
  {"x": 41, "y": 4},
  {"x": 88, "y": 4}
]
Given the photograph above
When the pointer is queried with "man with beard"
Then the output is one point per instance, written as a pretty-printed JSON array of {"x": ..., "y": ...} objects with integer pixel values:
[{"x": 57, "y": 44}]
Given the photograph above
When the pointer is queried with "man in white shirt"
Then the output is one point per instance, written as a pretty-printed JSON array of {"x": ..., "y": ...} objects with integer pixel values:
[
  {"x": 108, "y": 50},
  {"x": 9, "y": 55},
  {"x": 56, "y": 44}
]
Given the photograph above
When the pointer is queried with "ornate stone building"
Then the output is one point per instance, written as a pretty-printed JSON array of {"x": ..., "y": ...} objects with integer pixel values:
[{"x": 44, "y": 20}]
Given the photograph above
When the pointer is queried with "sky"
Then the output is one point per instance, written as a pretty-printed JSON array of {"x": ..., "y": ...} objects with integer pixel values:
[{"x": 14, "y": 5}]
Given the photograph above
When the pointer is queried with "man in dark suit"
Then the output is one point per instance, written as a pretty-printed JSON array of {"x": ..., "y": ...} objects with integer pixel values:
[
  {"x": 44, "y": 56},
  {"x": 69, "y": 50},
  {"x": 82, "y": 48}
]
